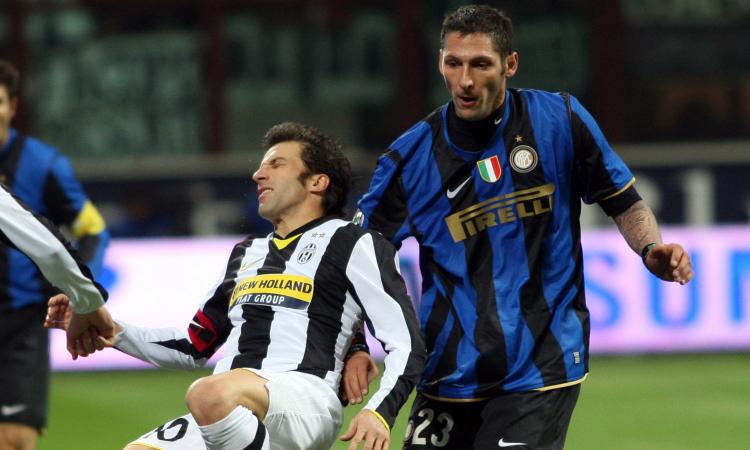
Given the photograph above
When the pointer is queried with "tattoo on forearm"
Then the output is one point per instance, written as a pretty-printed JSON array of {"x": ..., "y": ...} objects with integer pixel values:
[{"x": 638, "y": 226}]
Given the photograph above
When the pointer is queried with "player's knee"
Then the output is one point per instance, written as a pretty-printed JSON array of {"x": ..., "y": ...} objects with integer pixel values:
[
  {"x": 209, "y": 399},
  {"x": 137, "y": 447},
  {"x": 16, "y": 437}
]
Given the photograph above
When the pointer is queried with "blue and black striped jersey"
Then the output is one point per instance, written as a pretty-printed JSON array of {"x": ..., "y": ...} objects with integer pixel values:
[
  {"x": 44, "y": 181},
  {"x": 503, "y": 305}
]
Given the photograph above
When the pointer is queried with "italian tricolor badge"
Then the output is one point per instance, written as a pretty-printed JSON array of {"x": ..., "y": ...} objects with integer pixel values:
[{"x": 490, "y": 169}]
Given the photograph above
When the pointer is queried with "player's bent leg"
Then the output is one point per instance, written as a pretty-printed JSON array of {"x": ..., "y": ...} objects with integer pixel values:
[
  {"x": 137, "y": 447},
  {"x": 212, "y": 398},
  {"x": 15, "y": 436},
  {"x": 228, "y": 408}
]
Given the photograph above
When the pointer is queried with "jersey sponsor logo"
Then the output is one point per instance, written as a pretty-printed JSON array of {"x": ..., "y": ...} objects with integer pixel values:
[
  {"x": 452, "y": 193},
  {"x": 501, "y": 209},
  {"x": 307, "y": 253},
  {"x": 503, "y": 444},
  {"x": 10, "y": 410},
  {"x": 490, "y": 169},
  {"x": 523, "y": 159},
  {"x": 289, "y": 291}
]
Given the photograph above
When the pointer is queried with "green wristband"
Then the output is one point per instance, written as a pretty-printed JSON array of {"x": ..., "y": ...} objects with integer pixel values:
[{"x": 646, "y": 250}]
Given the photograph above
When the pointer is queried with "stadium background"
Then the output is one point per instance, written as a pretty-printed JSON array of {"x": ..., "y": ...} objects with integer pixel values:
[{"x": 162, "y": 106}]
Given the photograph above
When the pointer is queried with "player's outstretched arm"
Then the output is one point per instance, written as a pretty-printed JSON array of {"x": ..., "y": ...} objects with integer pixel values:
[
  {"x": 366, "y": 427},
  {"x": 38, "y": 239}
]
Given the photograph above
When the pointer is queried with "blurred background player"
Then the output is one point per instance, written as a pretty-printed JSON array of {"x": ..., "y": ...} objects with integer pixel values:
[
  {"x": 490, "y": 185},
  {"x": 43, "y": 179}
]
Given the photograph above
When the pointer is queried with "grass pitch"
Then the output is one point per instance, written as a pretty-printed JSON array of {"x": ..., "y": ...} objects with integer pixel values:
[{"x": 676, "y": 402}]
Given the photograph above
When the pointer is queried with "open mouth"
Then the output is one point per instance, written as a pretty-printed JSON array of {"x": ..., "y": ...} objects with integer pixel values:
[
  {"x": 466, "y": 101},
  {"x": 262, "y": 190}
]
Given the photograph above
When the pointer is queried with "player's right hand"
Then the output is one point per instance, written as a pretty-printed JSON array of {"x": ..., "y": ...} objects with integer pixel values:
[
  {"x": 86, "y": 333},
  {"x": 367, "y": 428}
]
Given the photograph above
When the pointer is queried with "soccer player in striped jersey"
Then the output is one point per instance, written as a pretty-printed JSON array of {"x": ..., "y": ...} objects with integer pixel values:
[
  {"x": 43, "y": 180},
  {"x": 286, "y": 310},
  {"x": 490, "y": 184}
]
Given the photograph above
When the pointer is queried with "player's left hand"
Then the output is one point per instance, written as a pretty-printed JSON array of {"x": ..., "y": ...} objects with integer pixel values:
[
  {"x": 359, "y": 371},
  {"x": 366, "y": 427},
  {"x": 670, "y": 262}
]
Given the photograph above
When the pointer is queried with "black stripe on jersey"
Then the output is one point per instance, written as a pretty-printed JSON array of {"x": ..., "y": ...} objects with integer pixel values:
[
  {"x": 256, "y": 328},
  {"x": 488, "y": 333},
  {"x": 577, "y": 254},
  {"x": 215, "y": 309},
  {"x": 60, "y": 208},
  {"x": 325, "y": 312},
  {"x": 547, "y": 354},
  {"x": 182, "y": 346},
  {"x": 441, "y": 309},
  {"x": 9, "y": 161},
  {"x": 391, "y": 211},
  {"x": 590, "y": 168},
  {"x": 394, "y": 286}
]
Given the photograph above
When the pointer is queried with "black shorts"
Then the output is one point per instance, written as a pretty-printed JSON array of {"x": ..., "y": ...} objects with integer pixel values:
[
  {"x": 24, "y": 366},
  {"x": 518, "y": 421}
]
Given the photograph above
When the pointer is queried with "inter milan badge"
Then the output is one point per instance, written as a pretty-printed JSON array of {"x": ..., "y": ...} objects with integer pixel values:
[
  {"x": 490, "y": 169},
  {"x": 306, "y": 253},
  {"x": 523, "y": 159}
]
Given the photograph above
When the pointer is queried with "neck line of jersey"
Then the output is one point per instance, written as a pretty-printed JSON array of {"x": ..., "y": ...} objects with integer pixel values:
[
  {"x": 471, "y": 156},
  {"x": 308, "y": 226}
]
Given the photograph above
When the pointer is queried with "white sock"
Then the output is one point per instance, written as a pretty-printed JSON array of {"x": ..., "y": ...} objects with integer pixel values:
[{"x": 239, "y": 430}]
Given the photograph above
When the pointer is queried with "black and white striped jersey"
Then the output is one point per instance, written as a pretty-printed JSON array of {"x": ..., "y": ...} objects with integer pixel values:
[
  {"x": 293, "y": 304},
  {"x": 38, "y": 239}
]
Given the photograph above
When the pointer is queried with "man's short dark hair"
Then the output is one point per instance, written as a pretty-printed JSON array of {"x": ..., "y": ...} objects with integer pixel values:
[
  {"x": 320, "y": 154},
  {"x": 9, "y": 78},
  {"x": 480, "y": 19}
]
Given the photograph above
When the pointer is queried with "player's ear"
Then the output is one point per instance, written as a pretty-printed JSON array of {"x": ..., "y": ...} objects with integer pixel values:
[
  {"x": 511, "y": 64},
  {"x": 440, "y": 62},
  {"x": 13, "y": 107},
  {"x": 318, "y": 182}
]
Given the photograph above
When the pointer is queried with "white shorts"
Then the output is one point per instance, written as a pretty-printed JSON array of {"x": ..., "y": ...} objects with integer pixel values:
[{"x": 303, "y": 413}]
